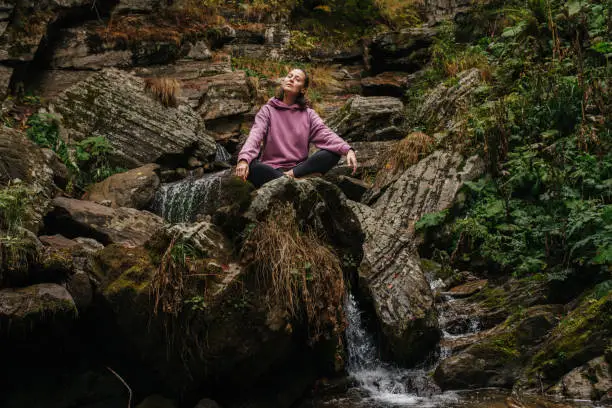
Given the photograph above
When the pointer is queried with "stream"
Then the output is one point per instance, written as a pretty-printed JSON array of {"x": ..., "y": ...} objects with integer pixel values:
[
  {"x": 372, "y": 382},
  {"x": 378, "y": 384}
]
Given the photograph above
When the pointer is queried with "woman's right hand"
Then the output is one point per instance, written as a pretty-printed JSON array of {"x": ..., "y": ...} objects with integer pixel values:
[{"x": 242, "y": 169}]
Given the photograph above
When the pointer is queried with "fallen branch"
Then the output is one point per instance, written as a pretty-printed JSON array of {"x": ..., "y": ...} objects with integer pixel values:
[{"x": 124, "y": 383}]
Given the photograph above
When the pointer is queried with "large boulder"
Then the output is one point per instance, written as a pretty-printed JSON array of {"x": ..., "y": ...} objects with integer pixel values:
[
  {"x": 592, "y": 380},
  {"x": 369, "y": 119},
  {"x": 187, "y": 199},
  {"x": 390, "y": 272},
  {"x": 135, "y": 188},
  {"x": 215, "y": 324},
  {"x": 582, "y": 335},
  {"x": 79, "y": 218},
  {"x": 21, "y": 159},
  {"x": 405, "y": 50},
  {"x": 318, "y": 204},
  {"x": 141, "y": 130},
  {"x": 386, "y": 84},
  {"x": 496, "y": 359},
  {"x": 369, "y": 157},
  {"x": 25, "y": 309},
  {"x": 190, "y": 69},
  {"x": 221, "y": 95},
  {"x": 67, "y": 261}
]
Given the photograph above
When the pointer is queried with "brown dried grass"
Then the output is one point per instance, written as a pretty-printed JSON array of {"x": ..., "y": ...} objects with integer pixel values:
[
  {"x": 167, "y": 286},
  {"x": 165, "y": 90},
  {"x": 183, "y": 18},
  {"x": 404, "y": 154},
  {"x": 410, "y": 150},
  {"x": 322, "y": 78},
  {"x": 300, "y": 271}
]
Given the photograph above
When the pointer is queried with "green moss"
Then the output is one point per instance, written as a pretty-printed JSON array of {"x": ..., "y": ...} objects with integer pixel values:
[
  {"x": 118, "y": 263},
  {"x": 491, "y": 297},
  {"x": 505, "y": 345},
  {"x": 136, "y": 279},
  {"x": 580, "y": 336},
  {"x": 45, "y": 307}
]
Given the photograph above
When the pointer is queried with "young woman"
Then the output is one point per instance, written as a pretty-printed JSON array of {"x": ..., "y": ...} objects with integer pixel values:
[{"x": 287, "y": 125}]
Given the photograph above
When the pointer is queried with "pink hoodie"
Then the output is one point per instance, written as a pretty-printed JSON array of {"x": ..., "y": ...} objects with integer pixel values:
[{"x": 290, "y": 129}]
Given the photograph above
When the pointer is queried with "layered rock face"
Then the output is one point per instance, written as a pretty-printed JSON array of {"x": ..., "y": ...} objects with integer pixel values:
[
  {"x": 140, "y": 129},
  {"x": 369, "y": 119},
  {"x": 443, "y": 9},
  {"x": 390, "y": 269},
  {"x": 404, "y": 50}
]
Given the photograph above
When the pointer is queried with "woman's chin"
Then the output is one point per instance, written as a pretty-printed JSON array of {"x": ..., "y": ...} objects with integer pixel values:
[{"x": 289, "y": 92}]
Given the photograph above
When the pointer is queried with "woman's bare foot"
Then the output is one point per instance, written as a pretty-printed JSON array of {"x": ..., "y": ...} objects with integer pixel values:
[{"x": 290, "y": 173}]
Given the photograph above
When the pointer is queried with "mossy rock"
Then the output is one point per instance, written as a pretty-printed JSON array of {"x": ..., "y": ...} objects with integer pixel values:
[
  {"x": 119, "y": 263},
  {"x": 125, "y": 275},
  {"x": 19, "y": 253},
  {"x": 27, "y": 309},
  {"x": 497, "y": 359},
  {"x": 581, "y": 335}
]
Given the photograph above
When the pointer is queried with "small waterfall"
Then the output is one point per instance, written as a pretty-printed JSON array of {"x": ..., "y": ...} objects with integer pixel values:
[
  {"x": 222, "y": 155},
  {"x": 382, "y": 382},
  {"x": 181, "y": 201}
]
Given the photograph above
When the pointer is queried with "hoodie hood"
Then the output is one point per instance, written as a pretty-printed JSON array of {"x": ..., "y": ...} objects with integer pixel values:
[{"x": 280, "y": 105}]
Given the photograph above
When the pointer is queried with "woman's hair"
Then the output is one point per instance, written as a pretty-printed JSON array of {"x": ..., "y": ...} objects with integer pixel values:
[{"x": 301, "y": 99}]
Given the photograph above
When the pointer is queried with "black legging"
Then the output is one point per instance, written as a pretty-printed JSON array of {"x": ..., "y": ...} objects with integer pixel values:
[{"x": 320, "y": 162}]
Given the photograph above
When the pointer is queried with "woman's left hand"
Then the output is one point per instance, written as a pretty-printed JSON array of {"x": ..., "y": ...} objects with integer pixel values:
[{"x": 351, "y": 160}]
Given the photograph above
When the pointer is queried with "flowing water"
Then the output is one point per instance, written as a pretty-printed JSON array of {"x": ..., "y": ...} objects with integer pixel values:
[
  {"x": 183, "y": 200},
  {"x": 383, "y": 384},
  {"x": 379, "y": 384},
  {"x": 222, "y": 155}
]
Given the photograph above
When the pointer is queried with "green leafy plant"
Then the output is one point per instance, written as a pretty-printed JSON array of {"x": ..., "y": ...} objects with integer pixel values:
[{"x": 87, "y": 160}]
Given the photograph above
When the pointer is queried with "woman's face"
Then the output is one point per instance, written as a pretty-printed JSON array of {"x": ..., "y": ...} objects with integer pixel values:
[{"x": 293, "y": 83}]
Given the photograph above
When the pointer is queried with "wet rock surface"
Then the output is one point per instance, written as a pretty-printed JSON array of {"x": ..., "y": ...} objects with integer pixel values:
[{"x": 495, "y": 360}]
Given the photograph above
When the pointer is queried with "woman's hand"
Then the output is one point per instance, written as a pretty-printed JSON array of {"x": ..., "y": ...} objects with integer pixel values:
[
  {"x": 351, "y": 160},
  {"x": 242, "y": 169}
]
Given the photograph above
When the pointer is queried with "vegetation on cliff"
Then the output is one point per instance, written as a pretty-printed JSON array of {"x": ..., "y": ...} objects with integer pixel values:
[{"x": 543, "y": 121}]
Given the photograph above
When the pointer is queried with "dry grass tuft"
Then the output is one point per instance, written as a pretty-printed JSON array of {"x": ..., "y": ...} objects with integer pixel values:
[
  {"x": 167, "y": 285},
  {"x": 165, "y": 90},
  {"x": 468, "y": 60},
  {"x": 407, "y": 152},
  {"x": 300, "y": 271},
  {"x": 322, "y": 78},
  {"x": 410, "y": 150}
]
